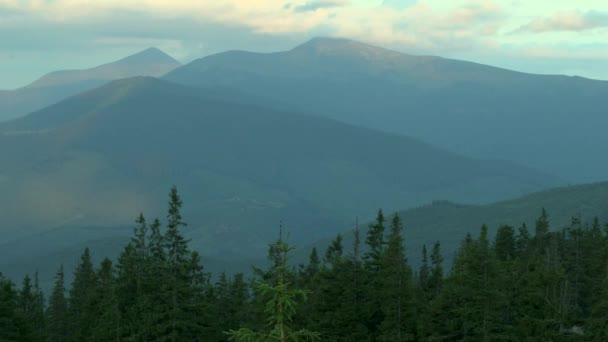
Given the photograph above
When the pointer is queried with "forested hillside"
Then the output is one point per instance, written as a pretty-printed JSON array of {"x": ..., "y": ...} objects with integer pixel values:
[
  {"x": 536, "y": 284},
  {"x": 448, "y": 222}
]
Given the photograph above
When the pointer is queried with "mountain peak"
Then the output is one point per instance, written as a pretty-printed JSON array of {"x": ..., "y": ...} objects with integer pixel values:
[
  {"x": 325, "y": 46},
  {"x": 151, "y": 55},
  {"x": 149, "y": 62}
]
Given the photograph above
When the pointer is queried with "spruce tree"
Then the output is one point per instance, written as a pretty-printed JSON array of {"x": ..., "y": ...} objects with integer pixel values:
[
  {"x": 57, "y": 310},
  {"x": 424, "y": 272},
  {"x": 373, "y": 313},
  {"x": 107, "y": 325},
  {"x": 436, "y": 276},
  {"x": 181, "y": 290},
  {"x": 36, "y": 315},
  {"x": 375, "y": 243},
  {"x": 12, "y": 323},
  {"x": 81, "y": 300},
  {"x": 396, "y": 290},
  {"x": 280, "y": 306},
  {"x": 504, "y": 244}
]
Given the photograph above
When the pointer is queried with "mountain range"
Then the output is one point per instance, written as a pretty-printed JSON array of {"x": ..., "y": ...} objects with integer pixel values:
[
  {"x": 542, "y": 121},
  {"x": 99, "y": 158},
  {"x": 59, "y": 85},
  {"x": 310, "y": 139}
]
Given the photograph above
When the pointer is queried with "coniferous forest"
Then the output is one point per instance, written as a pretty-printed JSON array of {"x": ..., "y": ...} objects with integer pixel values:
[{"x": 526, "y": 284}]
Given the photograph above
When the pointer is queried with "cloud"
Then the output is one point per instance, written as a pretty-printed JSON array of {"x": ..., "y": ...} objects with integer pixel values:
[
  {"x": 193, "y": 28},
  {"x": 566, "y": 21},
  {"x": 319, "y": 4},
  {"x": 417, "y": 26},
  {"x": 426, "y": 28}
]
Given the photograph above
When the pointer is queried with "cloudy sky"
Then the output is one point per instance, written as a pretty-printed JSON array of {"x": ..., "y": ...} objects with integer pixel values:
[{"x": 541, "y": 36}]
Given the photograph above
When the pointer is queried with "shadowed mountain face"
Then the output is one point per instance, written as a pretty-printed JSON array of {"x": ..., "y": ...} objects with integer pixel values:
[
  {"x": 98, "y": 159},
  {"x": 545, "y": 122},
  {"x": 59, "y": 85}
]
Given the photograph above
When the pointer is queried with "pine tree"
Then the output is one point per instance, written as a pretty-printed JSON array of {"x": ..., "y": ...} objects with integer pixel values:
[
  {"x": 436, "y": 277},
  {"x": 280, "y": 306},
  {"x": 541, "y": 230},
  {"x": 334, "y": 251},
  {"x": 30, "y": 308},
  {"x": 82, "y": 294},
  {"x": 181, "y": 290},
  {"x": 597, "y": 328},
  {"x": 471, "y": 300},
  {"x": 375, "y": 243},
  {"x": 309, "y": 279},
  {"x": 107, "y": 315},
  {"x": 424, "y": 272},
  {"x": 12, "y": 324},
  {"x": 373, "y": 313},
  {"x": 36, "y": 315},
  {"x": 504, "y": 244},
  {"x": 329, "y": 292},
  {"x": 57, "y": 310},
  {"x": 397, "y": 304},
  {"x": 522, "y": 241}
]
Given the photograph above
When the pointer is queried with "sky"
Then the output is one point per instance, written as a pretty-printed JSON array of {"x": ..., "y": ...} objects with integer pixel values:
[{"x": 538, "y": 36}]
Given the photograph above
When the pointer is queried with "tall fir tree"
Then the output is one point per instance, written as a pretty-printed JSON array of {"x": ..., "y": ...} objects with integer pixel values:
[
  {"x": 280, "y": 306},
  {"x": 399, "y": 321},
  {"x": 375, "y": 243},
  {"x": 80, "y": 313},
  {"x": 57, "y": 310}
]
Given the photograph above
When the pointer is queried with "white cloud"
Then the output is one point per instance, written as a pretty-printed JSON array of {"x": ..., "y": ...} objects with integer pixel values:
[
  {"x": 467, "y": 29},
  {"x": 566, "y": 21}
]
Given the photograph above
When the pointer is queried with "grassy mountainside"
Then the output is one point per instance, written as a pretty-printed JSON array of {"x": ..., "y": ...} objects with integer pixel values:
[
  {"x": 536, "y": 120},
  {"x": 59, "y": 85},
  {"x": 100, "y": 158}
]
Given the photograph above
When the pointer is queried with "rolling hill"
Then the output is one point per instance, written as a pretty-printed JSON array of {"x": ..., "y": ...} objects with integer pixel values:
[
  {"x": 542, "y": 121},
  {"x": 99, "y": 158},
  {"x": 59, "y": 85}
]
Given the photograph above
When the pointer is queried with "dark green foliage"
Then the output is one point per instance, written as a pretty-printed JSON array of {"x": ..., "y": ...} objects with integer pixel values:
[
  {"x": 57, "y": 311},
  {"x": 436, "y": 277},
  {"x": 82, "y": 299},
  {"x": 504, "y": 245},
  {"x": 375, "y": 243},
  {"x": 550, "y": 287},
  {"x": 280, "y": 306},
  {"x": 424, "y": 272},
  {"x": 396, "y": 289},
  {"x": 12, "y": 322}
]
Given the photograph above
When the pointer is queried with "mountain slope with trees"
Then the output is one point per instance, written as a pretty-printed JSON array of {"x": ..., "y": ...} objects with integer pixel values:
[{"x": 448, "y": 222}]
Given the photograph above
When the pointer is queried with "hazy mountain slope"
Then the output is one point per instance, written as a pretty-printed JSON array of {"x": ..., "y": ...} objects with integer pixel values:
[
  {"x": 538, "y": 120},
  {"x": 99, "y": 158},
  {"x": 449, "y": 222},
  {"x": 59, "y": 85}
]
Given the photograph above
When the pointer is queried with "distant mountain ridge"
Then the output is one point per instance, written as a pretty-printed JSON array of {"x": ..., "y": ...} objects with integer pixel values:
[
  {"x": 449, "y": 222},
  {"x": 542, "y": 121},
  {"x": 59, "y": 85},
  {"x": 150, "y": 62}
]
